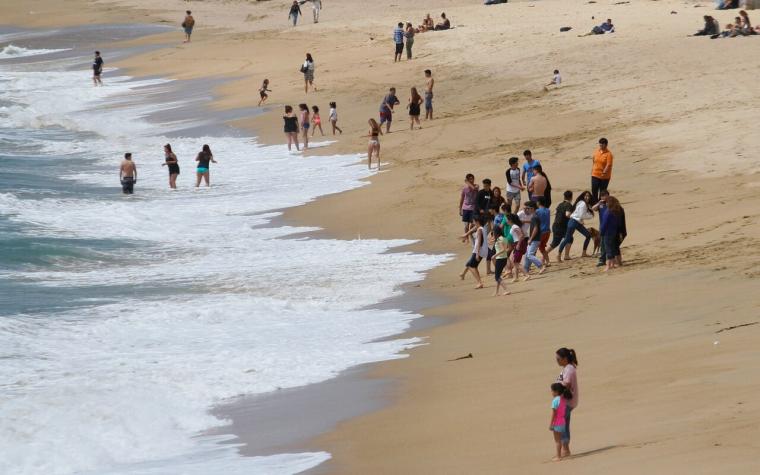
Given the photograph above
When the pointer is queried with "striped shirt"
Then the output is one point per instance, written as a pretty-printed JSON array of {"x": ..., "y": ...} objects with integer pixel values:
[{"x": 398, "y": 35}]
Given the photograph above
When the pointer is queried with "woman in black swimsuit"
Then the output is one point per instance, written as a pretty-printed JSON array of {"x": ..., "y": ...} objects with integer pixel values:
[
  {"x": 291, "y": 127},
  {"x": 171, "y": 162},
  {"x": 414, "y": 108}
]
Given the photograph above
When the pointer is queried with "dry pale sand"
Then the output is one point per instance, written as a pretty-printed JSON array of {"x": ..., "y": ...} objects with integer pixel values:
[{"x": 667, "y": 386}]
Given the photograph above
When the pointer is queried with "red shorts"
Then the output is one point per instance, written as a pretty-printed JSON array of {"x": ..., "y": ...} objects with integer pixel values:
[
  {"x": 544, "y": 239},
  {"x": 520, "y": 250}
]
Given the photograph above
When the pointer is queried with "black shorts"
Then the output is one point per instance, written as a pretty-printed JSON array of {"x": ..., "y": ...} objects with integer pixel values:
[
  {"x": 399, "y": 48},
  {"x": 263, "y": 94},
  {"x": 474, "y": 261},
  {"x": 468, "y": 215},
  {"x": 557, "y": 236}
]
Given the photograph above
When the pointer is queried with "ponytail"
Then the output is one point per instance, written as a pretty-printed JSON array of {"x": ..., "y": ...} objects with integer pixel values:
[
  {"x": 569, "y": 355},
  {"x": 563, "y": 390}
]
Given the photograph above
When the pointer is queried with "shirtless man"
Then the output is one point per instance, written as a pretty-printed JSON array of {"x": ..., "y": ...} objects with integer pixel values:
[
  {"x": 128, "y": 174},
  {"x": 429, "y": 83}
]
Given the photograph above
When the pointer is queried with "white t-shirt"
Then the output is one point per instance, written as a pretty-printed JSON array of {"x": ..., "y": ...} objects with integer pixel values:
[
  {"x": 525, "y": 218},
  {"x": 333, "y": 114},
  {"x": 515, "y": 232},
  {"x": 557, "y": 79},
  {"x": 581, "y": 212},
  {"x": 514, "y": 174},
  {"x": 482, "y": 250}
]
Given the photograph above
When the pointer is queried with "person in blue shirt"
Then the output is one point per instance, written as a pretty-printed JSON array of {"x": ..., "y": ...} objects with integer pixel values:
[
  {"x": 398, "y": 38},
  {"x": 601, "y": 207},
  {"x": 528, "y": 166},
  {"x": 611, "y": 228},
  {"x": 544, "y": 215}
]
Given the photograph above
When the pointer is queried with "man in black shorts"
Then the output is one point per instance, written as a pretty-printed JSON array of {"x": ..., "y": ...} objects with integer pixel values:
[
  {"x": 398, "y": 38},
  {"x": 97, "y": 69}
]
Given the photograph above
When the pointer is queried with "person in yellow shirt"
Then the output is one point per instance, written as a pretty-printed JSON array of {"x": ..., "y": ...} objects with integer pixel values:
[{"x": 601, "y": 170}]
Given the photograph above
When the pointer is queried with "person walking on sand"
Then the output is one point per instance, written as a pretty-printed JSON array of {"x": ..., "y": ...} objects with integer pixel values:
[
  {"x": 187, "y": 24},
  {"x": 409, "y": 36},
  {"x": 316, "y": 121},
  {"x": 515, "y": 238},
  {"x": 97, "y": 69},
  {"x": 514, "y": 184},
  {"x": 291, "y": 127},
  {"x": 559, "y": 227},
  {"x": 170, "y": 160},
  {"x": 429, "y": 83},
  {"x": 479, "y": 252},
  {"x": 307, "y": 68},
  {"x": 534, "y": 242},
  {"x": 415, "y": 100},
  {"x": 581, "y": 212},
  {"x": 561, "y": 398},
  {"x": 128, "y": 174},
  {"x": 263, "y": 92},
  {"x": 294, "y": 13},
  {"x": 204, "y": 159},
  {"x": 567, "y": 359},
  {"x": 386, "y": 109},
  {"x": 398, "y": 39},
  {"x": 544, "y": 215},
  {"x": 500, "y": 259},
  {"x": 601, "y": 170},
  {"x": 467, "y": 200},
  {"x": 334, "y": 118},
  {"x": 316, "y": 7},
  {"x": 305, "y": 122},
  {"x": 375, "y": 131}
]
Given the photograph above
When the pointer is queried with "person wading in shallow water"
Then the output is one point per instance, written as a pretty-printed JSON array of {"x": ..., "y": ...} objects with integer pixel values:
[{"x": 128, "y": 174}]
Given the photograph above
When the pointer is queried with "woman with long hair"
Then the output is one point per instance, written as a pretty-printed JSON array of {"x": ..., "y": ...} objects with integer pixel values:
[
  {"x": 610, "y": 230},
  {"x": 497, "y": 201},
  {"x": 374, "y": 143},
  {"x": 409, "y": 35},
  {"x": 291, "y": 127},
  {"x": 307, "y": 68},
  {"x": 567, "y": 359},
  {"x": 414, "y": 108},
  {"x": 515, "y": 237},
  {"x": 305, "y": 124},
  {"x": 170, "y": 160},
  {"x": 581, "y": 212},
  {"x": 204, "y": 159}
]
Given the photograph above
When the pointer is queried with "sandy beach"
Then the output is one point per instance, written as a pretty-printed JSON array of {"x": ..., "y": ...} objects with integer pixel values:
[{"x": 667, "y": 345}]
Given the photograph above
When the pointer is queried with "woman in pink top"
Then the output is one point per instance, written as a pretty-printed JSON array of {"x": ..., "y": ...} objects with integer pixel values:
[{"x": 569, "y": 362}]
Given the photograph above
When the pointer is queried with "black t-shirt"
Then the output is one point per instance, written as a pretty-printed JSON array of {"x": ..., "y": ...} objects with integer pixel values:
[
  {"x": 560, "y": 218},
  {"x": 97, "y": 66},
  {"x": 484, "y": 200},
  {"x": 535, "y": 225}
]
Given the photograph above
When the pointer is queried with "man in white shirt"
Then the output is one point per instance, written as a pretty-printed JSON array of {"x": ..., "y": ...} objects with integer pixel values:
[{"x": 317, "y": 6}]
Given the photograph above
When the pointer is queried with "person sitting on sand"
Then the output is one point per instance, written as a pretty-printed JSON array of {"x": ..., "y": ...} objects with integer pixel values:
[
  {"x": 746, "y": 24},
  {"x": 606, "y": 27},
  {"x": 445, "y": 24},
  {"x": 712, "y": 27},
  {"x": 427, "y": 24},
  {"x": 556, "y": 80}
]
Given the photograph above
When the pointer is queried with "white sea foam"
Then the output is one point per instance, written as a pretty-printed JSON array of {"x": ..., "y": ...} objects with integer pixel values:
[
  {"x": 125, "y": 388},
  {"x": 12, "y": 51}
]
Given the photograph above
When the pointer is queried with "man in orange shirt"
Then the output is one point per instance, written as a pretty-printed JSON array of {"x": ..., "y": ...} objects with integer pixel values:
[{"x": 601, "y": 170}]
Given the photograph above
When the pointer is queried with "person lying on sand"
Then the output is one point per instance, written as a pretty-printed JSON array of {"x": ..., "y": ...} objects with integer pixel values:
[{"x": 606, "y": 27}]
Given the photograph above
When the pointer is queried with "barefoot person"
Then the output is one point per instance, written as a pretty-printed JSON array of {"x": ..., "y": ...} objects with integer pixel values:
[
  {"x": 386, "y": 109},
  {"x": 415, "y": 100},
  {"x": 334, "y": 118},
  {"x": 559, "y": 227},
  {"x": 187, "y": 24},
  {"x": 398, "y": 40},
  {"x": 479, "y": 252},
  {"x": 307, "y": 68},
  {"x": 514, "y": 184},
  {"x": 561, "y": 398},
  {"x": 316, "y": 121},
  {"x": 516, "y": 238},
  {"x": 581, "y": 213},
  {"x": 467, "y": 200},
  {"x": 568, "y": 378},
  {"x": 128, "y": 174},
  {"x": 500, "y": 259},
  {"x": 204, "y": 159},
  {"x": 611, "y": 229},
  {"x": 291, "y": 127},
  {"x": 170, "y": 160},
  {"x": 316, "y": 6},
  {"x": 263, "y": 92},
  {"x": 601, "y": 170},
  {"x": 305, "y": 122},
  {"x": 97, "y": 69},
  {"x": 429, "y": 83},
  {"x": 556, "y": 80},
  {"x": 409, "y": 37},
  {"x": 375, "y": 131},
  {"x": 534, "y": 241},
  {"x": 528, "y": 168}
]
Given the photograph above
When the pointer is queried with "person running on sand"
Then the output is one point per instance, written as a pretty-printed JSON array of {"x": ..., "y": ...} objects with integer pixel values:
[
  {"x": 557, "y": 423},
  {"x": 398, "y": 39},
  {"x": 514, "y": 184},
  {"x": 334, "y": 118},
  {"x": 128, "y": 174},
  {"x": 581, "y": 213},
  {"x": 291, "y": 127},
  {"x": 97, "y": 69},
  {"x": 409, "y": 36},
  {"x": 429, "y": 83},
  {"x": 415, "y": 100},
  {"x": 386, "y": 109},
  {"x": 567, "y": 359},
  {"x": 295, "y": 12},
  {"x": 479, "y": 252},
  {"x": 307, "y": 68},
  {"x": 305, "y": 124},
  {"x": 316, "y": 121},
  {"x": 500, "y": 259},
  {"x": 601, "y": 170},
  {"x": 187, "y": 24},
  {"x": 467, "y": 200},
  {"x": 204, "y": 159},
  {"x": 559, "y": 228},
  {"x": 375, "y": 131},
  {"x": 170, "y": 160},
  {"x": 263, "y": 92}
]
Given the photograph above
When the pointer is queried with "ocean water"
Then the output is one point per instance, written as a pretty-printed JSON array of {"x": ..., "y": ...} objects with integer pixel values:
[{"x": 125, "y": 319}]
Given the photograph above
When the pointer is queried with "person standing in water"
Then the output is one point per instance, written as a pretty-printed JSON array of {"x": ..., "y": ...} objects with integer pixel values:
[
  {"x": 305, "y": 124},
  {"x": 128, "y": 174},
  {"x": 263, "y": 92},
  {"x": 97, "y": 69},
  {"x": 204, "y": 159},
  {"x": 429, "y": 83},
  {"x": 316, "y": 121},
  {"x": 291, "y": 127},
  {"x": 375, "y": 131},
  {"x": 334, "y": 118},
  {"x": 170, "y": 160},
  {"x": 187, "y": 24}
]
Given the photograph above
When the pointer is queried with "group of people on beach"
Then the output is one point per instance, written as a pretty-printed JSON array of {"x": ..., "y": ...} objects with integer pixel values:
[
  {"x": 305, "y": 120},
  {"x": 742, "y": 26},
  {"x": 295, "y": 10},
  {"x": 510, "y": 238},
  {"x": 204, "y": 159},
  {"x": 403, "y": 34}
]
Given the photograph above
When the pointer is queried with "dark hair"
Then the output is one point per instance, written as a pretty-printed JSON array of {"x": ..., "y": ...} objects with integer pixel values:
[
  {"x": 427, "y": 71},
  {"x": 569, "y": 355},
  {"x": 333, "y": 104},
  {"x": 400, "y": 24},
  {"x": 514, "y": 218},
  {"x": 498, "y": 230},
  {"x": 556, "y": 71},
  {"x": 613, "y": 206},
  {"x": 266, "y": 81},
  {"x": 309, "y": 58},
  {"x": 468, "y": 176},
  {"x": 188, "y": 12},
  {"x": 603, "y": 141},
  {"x": 486, "y": 181},
  {"x": 392, "y": 89},
  {"x": 482, "y": 219},
  {"x": 288, "y": 109},
  {"x": 541, "y": 201},
  {"x": 443, "y": 15},
  {"x": 527, "y": 153},
  {"x": 568, "y": 195},
  {"x": 539, "y": 169},
  {"x": 315, "y": 109},
  {"x": 168, "y": 147},
  {"x": 303, "y": 107},
  {"x": 604, "y": 193},
  {"x": 416, "y": 98},
  {"x": 207, "y": 149},
  {"x": 495, "y": 189},
  {"x": 563, "y": 390},
  {"x": 580, "y": 198},
  {"x": 97, "y": 52},
  {"x": 127, "y": 155}
]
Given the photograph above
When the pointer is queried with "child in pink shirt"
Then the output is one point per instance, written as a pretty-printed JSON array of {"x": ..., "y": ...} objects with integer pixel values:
[{"x": 559, "y": 407}]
